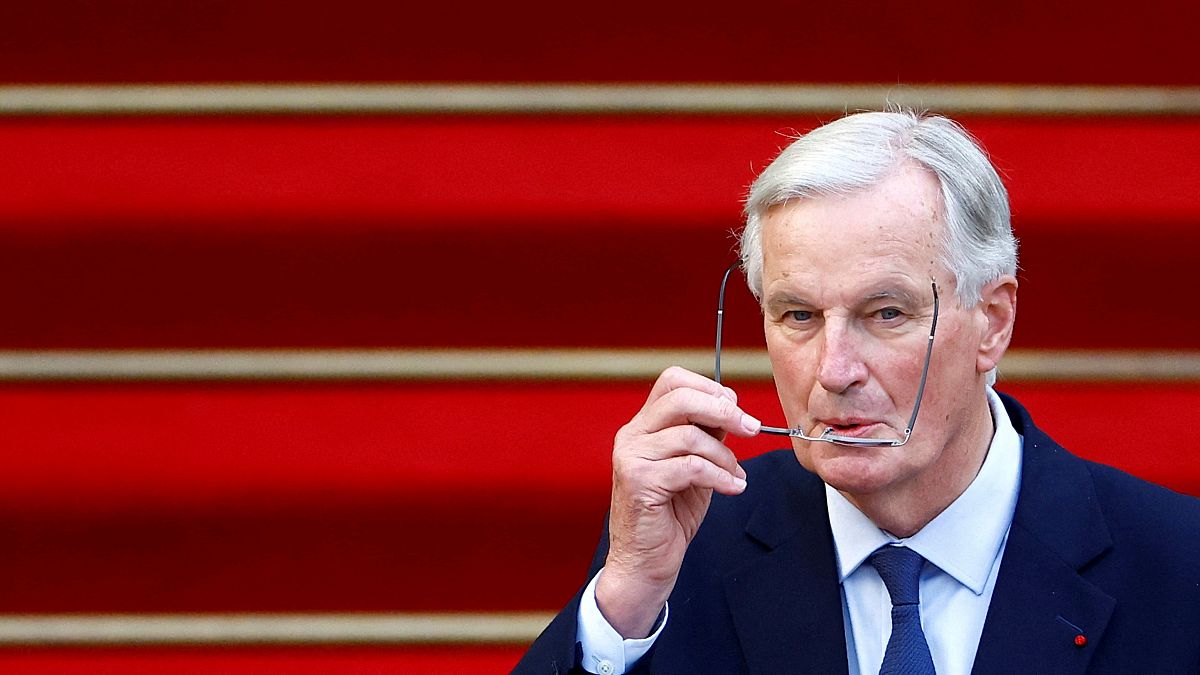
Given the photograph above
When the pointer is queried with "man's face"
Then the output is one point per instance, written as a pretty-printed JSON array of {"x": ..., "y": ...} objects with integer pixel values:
[{"x": 848, "y": 305}]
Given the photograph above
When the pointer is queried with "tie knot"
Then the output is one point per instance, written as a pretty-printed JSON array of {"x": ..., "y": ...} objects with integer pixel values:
[{"x": 900, "y": 569}]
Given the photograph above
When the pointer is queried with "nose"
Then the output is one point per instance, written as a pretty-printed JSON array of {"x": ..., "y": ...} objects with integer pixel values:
[{"x": 840, "y": 366}]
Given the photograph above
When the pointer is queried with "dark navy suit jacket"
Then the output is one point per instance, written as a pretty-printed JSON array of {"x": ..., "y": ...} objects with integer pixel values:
[{"x": 1092, "y": 551}]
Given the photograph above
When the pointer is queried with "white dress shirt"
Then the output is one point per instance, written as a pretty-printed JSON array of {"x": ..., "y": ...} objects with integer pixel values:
[
  {"x": 604, "y": 651},
  {"x": 963, "y": 547}
]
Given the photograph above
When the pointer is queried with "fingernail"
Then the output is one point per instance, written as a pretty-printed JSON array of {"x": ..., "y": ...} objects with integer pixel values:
[
  {"x": 750, "y": 424},
  {"x": 729, "y": 394},
  {"x": 740, "y": 473},
  {"x": 740, "y": 483}
]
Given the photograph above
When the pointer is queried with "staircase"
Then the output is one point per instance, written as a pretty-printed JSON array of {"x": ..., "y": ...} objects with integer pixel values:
[{"x": 323, "y": 377}]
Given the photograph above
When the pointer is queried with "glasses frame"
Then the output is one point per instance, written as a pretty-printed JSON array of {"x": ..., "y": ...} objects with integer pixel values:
[{"x": 828, "y": 436}]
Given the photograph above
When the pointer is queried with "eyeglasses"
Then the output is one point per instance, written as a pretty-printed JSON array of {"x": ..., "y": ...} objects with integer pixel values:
[{"x": 828, "y": 436}]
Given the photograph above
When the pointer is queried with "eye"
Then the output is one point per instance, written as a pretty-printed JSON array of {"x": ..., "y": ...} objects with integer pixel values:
[
  {"x": 799, "y": 315},
  {"x": 889, "y": 313}
]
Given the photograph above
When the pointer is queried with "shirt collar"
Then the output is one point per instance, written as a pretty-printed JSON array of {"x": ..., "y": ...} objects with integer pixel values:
[{"x": 964, "y": 539}]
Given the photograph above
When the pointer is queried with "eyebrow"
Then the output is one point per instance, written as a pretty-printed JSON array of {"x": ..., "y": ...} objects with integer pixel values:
[
  {"x": 786, "y": 298},
  {"x": 903, "y": 295}
]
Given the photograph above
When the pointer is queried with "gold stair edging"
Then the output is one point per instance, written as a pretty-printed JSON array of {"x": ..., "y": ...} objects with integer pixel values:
[
  {"x": 494, "y": 364},
  {"x": 580, "y": 98},
  {"x": 498, "y": 628}
]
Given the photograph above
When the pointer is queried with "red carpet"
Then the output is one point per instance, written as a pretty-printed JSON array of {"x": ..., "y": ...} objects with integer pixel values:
[{"x": 379, "y": 497}]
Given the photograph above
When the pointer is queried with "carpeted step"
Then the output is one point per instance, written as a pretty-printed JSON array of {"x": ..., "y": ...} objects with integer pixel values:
[
  {"x": 374, "y": 40},
  {"x": 175, "y": 498},
  {"x": 450, "y": 660},
  {"x": 518, "y": 231}
]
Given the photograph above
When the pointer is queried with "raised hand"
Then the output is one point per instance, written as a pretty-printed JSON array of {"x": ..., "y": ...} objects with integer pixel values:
[{"x": 666, "y": 463}]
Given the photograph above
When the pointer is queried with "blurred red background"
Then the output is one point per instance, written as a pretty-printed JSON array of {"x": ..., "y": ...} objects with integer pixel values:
[{"x": 287, "y": 228}]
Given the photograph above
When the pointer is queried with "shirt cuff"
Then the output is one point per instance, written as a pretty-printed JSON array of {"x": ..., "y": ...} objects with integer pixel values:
[{"x": 604, "y": 650}]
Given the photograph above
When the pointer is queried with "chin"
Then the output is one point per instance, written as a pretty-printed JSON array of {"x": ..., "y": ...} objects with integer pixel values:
[{"x": 852, "y": 470}]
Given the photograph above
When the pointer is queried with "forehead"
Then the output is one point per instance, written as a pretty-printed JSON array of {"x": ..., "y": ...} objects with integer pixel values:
[{"x": 892, "y": 230}]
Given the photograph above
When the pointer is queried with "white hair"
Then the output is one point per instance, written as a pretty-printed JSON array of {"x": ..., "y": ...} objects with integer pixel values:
[{"x": 858, "y": 151}]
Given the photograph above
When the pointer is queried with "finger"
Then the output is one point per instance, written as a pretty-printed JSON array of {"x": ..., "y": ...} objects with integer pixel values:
[
  {"x": 677, "y": 474},
  {"x": 681, "y": 378},
  {"x": 690, "y": 406},
  {"x": 690, "y": 440}
]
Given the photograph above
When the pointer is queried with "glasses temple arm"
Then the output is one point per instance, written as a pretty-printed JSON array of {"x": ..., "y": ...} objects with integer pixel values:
[
  {"x": 912, "y": 421},
  {"x": 721, "y": 320}
]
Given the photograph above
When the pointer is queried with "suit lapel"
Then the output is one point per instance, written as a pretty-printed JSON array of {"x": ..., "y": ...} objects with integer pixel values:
[
  {"x": 787, "y": 604},
  {"x": 1041, "y": 603}
]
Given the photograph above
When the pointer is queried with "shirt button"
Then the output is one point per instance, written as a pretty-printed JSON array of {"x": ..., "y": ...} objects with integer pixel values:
[{"x": 606, "y": 668}]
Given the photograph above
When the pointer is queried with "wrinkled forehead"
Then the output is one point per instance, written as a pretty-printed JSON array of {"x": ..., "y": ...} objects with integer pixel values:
[{"x": 894, "y": 228}]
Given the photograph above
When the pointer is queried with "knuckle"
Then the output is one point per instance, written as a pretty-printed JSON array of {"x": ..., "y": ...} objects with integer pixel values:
[
  {"x": 677, "y": 397},
  {"x": 696, "y": 400},
  {"x": 726, "y": 409},
  {"x": 626, "y": 447},
  {"x": 674, "y": 373},
  {"x": 633, "y": 472},
  {"x": 692, "y": 435},
  {"x": 670, "y": 377},
  {"x": 628, "y": 475},
  {"x": 631, "y": 432},
  {"x": 693, "y": 466}
]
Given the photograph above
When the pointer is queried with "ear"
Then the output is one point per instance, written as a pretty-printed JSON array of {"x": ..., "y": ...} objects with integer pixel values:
[{"x": 998, "y": 312}]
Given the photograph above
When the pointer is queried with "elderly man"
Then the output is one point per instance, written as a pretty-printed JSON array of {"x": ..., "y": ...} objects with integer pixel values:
[{"x": 920, "y": 522}]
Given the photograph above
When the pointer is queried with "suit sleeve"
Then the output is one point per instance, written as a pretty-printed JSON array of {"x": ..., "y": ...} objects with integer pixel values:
[{"x": 556, "y": 652}]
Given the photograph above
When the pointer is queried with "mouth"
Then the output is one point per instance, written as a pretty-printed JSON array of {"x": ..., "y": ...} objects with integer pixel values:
[{"x": 850, "y": 427}]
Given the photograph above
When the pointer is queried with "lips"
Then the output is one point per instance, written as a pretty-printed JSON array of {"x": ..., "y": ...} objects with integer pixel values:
[{"x": 851, "y": 426}]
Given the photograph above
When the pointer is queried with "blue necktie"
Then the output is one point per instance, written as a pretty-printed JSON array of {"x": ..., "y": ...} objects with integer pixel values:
[{"x": 907, "y": 651}]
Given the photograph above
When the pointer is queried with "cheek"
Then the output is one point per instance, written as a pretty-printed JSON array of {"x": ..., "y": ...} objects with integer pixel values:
[
  {"x": 952, "y": 373},
  {"x": 954, "y": 361},
  {"x": 793, "y": 385},
  {"x": 791, "y": 366}
]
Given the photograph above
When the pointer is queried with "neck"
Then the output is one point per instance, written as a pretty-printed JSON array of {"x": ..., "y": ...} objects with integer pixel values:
[{"x": 904, "y": 509}]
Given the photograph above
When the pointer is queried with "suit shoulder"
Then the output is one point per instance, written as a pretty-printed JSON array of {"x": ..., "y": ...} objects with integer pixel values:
[
  {"x": 1153, "y": 537},
  {"x": 1150, "y": 563},
  {"x": 1132, "y": 508},
  {"x": 1142, "y": 506}
]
